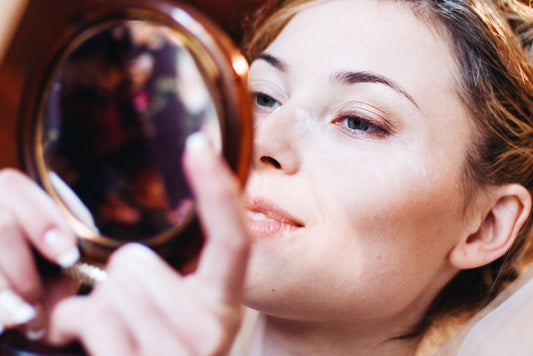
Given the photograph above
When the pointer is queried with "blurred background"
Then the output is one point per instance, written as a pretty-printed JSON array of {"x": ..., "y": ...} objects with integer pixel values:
[{"x": 228, "y": 14}]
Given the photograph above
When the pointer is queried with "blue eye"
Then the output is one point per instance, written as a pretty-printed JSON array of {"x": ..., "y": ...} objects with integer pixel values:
[
  {"x": 358, "y": 124},
  {"x": 266, "y": 101}
]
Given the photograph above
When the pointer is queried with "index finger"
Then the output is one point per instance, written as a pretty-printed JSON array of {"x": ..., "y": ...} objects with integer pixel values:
[
  {"x": 37, "y": 217},
  {"x": 225, "y": 255}
]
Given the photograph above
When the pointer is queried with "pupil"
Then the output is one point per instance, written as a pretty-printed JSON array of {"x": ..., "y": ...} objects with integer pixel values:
[
  {"x": 358, "y": 124},
  {"x": 264, "y": 100}
]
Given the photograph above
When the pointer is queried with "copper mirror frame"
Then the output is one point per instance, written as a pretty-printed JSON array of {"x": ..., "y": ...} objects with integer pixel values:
[{"x": 50, "y": 28}]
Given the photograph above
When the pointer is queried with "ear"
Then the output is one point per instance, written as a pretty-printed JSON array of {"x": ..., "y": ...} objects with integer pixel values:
[{"x": 508, "y": 207}]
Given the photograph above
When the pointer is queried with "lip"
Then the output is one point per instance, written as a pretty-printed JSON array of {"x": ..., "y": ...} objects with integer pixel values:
[{"x": 267, "y": 219}]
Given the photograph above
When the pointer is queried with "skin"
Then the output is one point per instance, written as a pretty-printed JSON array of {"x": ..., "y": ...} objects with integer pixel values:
[
  {"x": 356, "y": 213},
  {"x": 148, "y": 321},
  {"x": 11, "y": 13},
  {"x": 395, "y": 212}
]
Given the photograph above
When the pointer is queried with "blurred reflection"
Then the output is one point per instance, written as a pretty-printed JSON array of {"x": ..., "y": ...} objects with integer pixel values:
[{"x": 114, "y": 125}]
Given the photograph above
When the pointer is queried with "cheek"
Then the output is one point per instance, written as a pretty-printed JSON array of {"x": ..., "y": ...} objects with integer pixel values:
[
  {"x": 386, "y": 230},
  {"x": 398, "y": 206}
]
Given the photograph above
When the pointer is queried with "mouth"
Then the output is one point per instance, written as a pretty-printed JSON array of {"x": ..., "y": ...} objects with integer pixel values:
[{"x": 266, "y": 219}]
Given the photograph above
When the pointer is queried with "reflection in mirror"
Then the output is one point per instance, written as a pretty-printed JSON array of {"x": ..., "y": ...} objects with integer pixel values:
[{"x": 114, "y": 122}]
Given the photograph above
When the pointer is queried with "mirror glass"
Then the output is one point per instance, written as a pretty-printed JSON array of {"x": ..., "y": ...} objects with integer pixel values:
[{"x": 115, "y": 117}]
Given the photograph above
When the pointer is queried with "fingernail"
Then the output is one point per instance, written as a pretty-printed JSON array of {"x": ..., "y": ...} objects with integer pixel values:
[
  {"x": 69, "y": 258},
  {"x": 35, "y": 329},
  {"x": 197, "y": 142},
  {"x": 57, "y": 240},
  {"x": 140, "y": 250},
  {"x": 35, "y": 335},
  {"x": 21, "y": 312}
]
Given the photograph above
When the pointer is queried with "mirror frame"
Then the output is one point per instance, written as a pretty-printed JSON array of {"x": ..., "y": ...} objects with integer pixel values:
[{"x": 31, "y": 63}]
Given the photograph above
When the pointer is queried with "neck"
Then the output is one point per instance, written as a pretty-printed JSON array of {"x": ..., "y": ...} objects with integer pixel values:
[{"x": 275, "y": 336}]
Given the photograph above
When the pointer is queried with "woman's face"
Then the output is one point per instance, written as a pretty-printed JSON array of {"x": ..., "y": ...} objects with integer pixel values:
[{"x": 356, "y": 195}]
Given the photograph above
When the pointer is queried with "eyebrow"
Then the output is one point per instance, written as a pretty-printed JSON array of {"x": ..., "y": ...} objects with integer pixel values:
[
  {"x": 370, "y": 77},
  {"x": 345, "y": 77},
  {"x": 273, "y": 61}
]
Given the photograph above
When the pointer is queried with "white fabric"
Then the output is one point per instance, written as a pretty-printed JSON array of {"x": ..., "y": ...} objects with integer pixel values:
[
  {"x": 504, "y": 327},
  {"x": 507, "y": 330}
]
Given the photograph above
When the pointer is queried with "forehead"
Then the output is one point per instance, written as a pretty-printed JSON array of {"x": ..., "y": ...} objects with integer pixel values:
[{"x": 373, "y": 35}]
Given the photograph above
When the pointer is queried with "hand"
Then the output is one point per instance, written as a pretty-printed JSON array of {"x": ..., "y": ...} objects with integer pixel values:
[
  {"x": 144, "y": 307},
  {"x": 29, "y": 219}
]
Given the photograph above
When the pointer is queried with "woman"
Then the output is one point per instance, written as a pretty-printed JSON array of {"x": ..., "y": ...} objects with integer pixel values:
[{"x": 391, "y": 184}]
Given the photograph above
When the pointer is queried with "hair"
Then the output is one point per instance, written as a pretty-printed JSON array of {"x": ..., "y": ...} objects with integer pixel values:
[{"x": 493, "y": 42}]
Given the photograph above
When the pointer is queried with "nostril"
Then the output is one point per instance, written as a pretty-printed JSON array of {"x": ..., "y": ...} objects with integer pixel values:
[{"x": 270, "y": 160}]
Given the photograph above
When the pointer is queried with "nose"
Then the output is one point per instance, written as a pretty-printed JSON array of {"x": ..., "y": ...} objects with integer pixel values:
[{"x": 276, "y": 143}]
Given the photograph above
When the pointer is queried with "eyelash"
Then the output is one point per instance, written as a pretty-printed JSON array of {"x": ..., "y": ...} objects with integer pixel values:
[{"x": 368, "y": 126}]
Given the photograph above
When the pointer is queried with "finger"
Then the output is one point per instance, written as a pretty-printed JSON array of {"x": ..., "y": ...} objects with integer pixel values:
[
  {"x": 225, "y": 255},
  {"x": 14, "y": 311},
  {"x": 56, "y": 290},
  {"x": 150, "y": 310},
  {"x": 123, "y": 299},
  {"x": 37, "y": 217},
  {"x": 160, "y": 302},
  {"x": 94, "y": 324},
  {"x": 16, "y": 260},
  {"x": 19, "y": 281},
  {"x": 23, "y": 301},
  {"x": 73, "y": 202},
  {"x": 35, "y": 329}
]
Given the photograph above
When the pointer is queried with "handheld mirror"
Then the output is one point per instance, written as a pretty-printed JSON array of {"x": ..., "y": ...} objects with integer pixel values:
[{"x": 106, "y": 112}]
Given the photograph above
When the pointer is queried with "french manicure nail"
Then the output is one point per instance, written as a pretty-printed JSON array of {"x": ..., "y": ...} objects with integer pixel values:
[
  {"x": 67, "y": 255},
  {"x": 35, "y": 335},
  {"x": 35, "y": 329},
  {"x": 21, "y": 312},
  {"x": 69, "y": 258},
  {"x": 197, "y": 142},
  {"x": 141, "y": 250}
]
